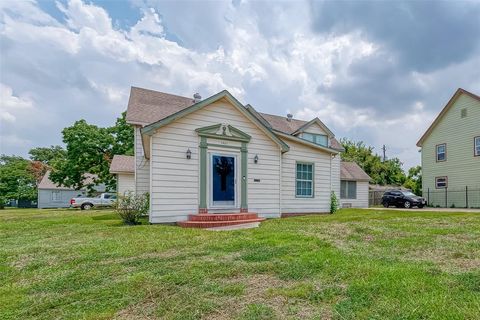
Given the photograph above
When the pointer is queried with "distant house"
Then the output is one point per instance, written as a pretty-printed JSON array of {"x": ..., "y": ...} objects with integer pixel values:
[
  {"x": 353, "y": 186},
  {"x": 123, "y": 167},
  {"x": 51, "y": 195},
  {"x": 451, "y": 153},
  {"x": 201, "y": 160}
]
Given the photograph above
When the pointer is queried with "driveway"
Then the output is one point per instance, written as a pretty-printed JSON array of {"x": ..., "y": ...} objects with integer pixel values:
[{"x": 429, "y": 209}]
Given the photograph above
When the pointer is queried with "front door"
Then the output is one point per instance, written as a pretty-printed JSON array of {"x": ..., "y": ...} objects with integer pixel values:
[{"x": 223, "y": 173}]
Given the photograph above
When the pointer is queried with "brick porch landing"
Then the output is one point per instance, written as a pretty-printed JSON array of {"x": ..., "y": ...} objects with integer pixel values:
[{"x": 213, "y": 220}]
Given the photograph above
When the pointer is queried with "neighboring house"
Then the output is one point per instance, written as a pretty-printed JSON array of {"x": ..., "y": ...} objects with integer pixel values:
[
  {"x": 451, "y": 152},
  {"x": 50, "y": 195},
  {"x": 353, "y": 186},
  {"x": 123, "y": 167},
  {"x": 218, "y": 156}
]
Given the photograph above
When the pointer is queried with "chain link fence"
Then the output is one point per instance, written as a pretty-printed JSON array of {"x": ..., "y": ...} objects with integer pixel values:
[{"x": 467, "y": 197}]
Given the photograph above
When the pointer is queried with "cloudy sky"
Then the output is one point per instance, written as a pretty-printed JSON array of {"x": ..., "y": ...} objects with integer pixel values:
[{"x": 372, "y": 71}]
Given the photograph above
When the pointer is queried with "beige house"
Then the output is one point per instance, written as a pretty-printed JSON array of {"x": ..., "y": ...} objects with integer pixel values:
[
  {"x": 451, "y": 153},
  {"x": 354, "y": 186},
  {"x": 217, "y": 156}
]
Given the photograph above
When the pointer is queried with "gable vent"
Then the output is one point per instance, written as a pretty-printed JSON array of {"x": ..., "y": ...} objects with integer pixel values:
[{"x": 463, "y": 113}]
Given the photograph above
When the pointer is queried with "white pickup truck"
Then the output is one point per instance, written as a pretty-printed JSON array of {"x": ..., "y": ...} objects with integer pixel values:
[{"x": 103, "y": 200}]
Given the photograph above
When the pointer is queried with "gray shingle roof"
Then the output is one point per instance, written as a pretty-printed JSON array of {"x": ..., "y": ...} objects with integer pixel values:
[
  {"x": 352, "y": 171},
  {"x": 46, "y": 183},
  {"x": 122, "y": 164},
  {"x": 148, "y": 106}
]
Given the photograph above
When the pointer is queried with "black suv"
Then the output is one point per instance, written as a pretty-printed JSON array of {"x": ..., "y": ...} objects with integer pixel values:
[{"x": 405, "y": 199}]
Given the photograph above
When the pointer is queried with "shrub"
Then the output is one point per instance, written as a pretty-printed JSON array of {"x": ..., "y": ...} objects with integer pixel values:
[
  {"x": 333, "y": 202},
  {"x": 131, "y": 207}
]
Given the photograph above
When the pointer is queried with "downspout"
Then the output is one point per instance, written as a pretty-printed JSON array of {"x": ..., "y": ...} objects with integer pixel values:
[
  {"x": 151, "y": 180},
  {"x": 280, "y": 181}
]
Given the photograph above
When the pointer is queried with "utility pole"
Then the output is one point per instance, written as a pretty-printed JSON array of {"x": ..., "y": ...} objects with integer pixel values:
[{"x": 384, "y": 149}]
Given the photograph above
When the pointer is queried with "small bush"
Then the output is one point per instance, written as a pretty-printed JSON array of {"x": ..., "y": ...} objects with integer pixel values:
[
  {"x": 132, "y": 206},
  {"x": 333, "y": 203}
]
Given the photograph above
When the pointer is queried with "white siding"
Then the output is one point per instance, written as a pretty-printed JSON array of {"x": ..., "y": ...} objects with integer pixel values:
[
  {"x": 323, "y": 175},
  {"x": 336, "y": 175},
  {"x": 175, "y": 179},
  {"x": 125, "y": 183},
  {"x": 142, "y": 166},
  {"x": 362, "y": 197},
  {"x": 315, "y": 128}
]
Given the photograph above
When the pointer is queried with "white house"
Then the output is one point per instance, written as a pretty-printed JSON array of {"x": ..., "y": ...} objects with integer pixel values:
[{"x": 217, "y": 156}]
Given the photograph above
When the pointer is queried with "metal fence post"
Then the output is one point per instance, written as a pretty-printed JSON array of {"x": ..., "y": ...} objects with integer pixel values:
[
  {"x": 446, "y": 198},
  {"x": 428, "y": 196},
  {"x": 466, "y": 196}
]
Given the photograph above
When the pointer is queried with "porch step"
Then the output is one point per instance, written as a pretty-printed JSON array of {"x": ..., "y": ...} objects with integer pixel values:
[
  {"x": 218, "y": 220},
  {"x": 222, "y": 216},
  {"x": 214, "y": 224}
]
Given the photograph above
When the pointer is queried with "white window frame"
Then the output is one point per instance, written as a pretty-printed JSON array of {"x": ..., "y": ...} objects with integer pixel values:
[
  {"x": 444, "y": 181},
  {"x": 315, "y": 138},
  {"x": 56, "y": 196},
  {"x": 476, "y": 146},
  {"x": 437, "y": 153},
  {"x": 312, "y": 181},
  {"x": 347, "y": 194}
]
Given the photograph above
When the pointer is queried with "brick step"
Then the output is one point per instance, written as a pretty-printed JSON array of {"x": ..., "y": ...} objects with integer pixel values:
[
  {"x": 212, "y": 224},
  {"x": 222, "y": 216}
]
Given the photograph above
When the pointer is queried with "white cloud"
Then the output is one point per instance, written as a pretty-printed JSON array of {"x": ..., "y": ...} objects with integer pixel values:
[
  {"x": 11, "y": 105},
  {"x": 84, "y": 66}
]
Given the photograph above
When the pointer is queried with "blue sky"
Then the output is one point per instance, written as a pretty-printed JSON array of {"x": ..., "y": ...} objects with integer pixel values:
[{"x": 372, "y": 71}]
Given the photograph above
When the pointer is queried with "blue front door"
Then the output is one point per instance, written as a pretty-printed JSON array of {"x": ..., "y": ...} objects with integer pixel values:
[{"x": 223, "y": 180}]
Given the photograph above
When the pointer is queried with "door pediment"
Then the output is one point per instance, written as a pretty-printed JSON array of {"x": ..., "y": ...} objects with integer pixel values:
[{"x": 223, "y": 131}]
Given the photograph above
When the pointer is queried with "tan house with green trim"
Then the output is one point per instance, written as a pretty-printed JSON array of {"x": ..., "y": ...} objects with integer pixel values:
[
  {"x": 216, "y": 156},
  {"x": 451, "y": 153}
]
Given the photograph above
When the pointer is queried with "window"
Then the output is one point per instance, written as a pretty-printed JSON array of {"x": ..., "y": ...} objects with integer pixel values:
[
  {"x": 477, "y": 146},
  {"x": 348, "y": 189},
  {"x": 56, "y": 196},
  {"x": 441, "y": 182},
  {"x": 319, "y": 139},
  {"x": 304, "y": 180},
  {"x": 441, "y": 152}
]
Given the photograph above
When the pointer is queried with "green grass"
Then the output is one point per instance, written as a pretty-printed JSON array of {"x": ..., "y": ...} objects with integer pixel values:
[{"x": 356, "y": 264}]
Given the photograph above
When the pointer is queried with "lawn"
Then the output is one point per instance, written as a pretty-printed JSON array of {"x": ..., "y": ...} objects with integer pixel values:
[{"x": 356, "y": 264}]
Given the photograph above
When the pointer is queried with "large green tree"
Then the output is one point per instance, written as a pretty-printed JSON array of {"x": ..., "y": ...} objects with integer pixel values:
[
  {"x": 414, "y": 180},
  {"x": 16, "y": 179},
  {"x": 90, "y": 149},
  {"x": 381, "y": 172},
  {"x": 48, "y": 155}
]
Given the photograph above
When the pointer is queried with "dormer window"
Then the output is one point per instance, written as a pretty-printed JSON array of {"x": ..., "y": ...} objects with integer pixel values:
[{"x": 319, "y": 139}]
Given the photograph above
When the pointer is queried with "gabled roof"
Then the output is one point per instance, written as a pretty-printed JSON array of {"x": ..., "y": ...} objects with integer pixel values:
[
  {"x": 146, "y": 107},
  {"x": 149, "y": 129},
  {"x": 352, "y": 171},
  {"x": 318, "y": 122},
  {"x": 122, "y": 164},
  {"x": 46, "y": 183},
  {"x": 445, "y": 109}
]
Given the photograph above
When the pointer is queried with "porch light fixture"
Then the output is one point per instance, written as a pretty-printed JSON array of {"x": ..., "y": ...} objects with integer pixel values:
[
  {"x": 255, "y": 159},
  {"x": 189, "y": 154}
]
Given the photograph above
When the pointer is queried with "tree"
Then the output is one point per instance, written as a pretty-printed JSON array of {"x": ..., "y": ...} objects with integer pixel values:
[
  {"x": 90, "y": 149},
  {"x": 414, "y": 180},
  {"x": 123, "y": 136},
  {"x": 386, "y": 172},
  {"x": 48, "y": 155},
  {"x": 16, "y": 181}
]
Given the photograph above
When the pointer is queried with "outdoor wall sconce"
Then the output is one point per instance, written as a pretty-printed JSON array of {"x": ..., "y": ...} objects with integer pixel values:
[
  {"x": 255, "y": 159},
  {"x": 189, "y": 154}
]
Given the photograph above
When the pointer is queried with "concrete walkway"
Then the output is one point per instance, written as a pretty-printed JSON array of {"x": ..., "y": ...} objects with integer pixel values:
[{"x": 427, "y": 209}]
